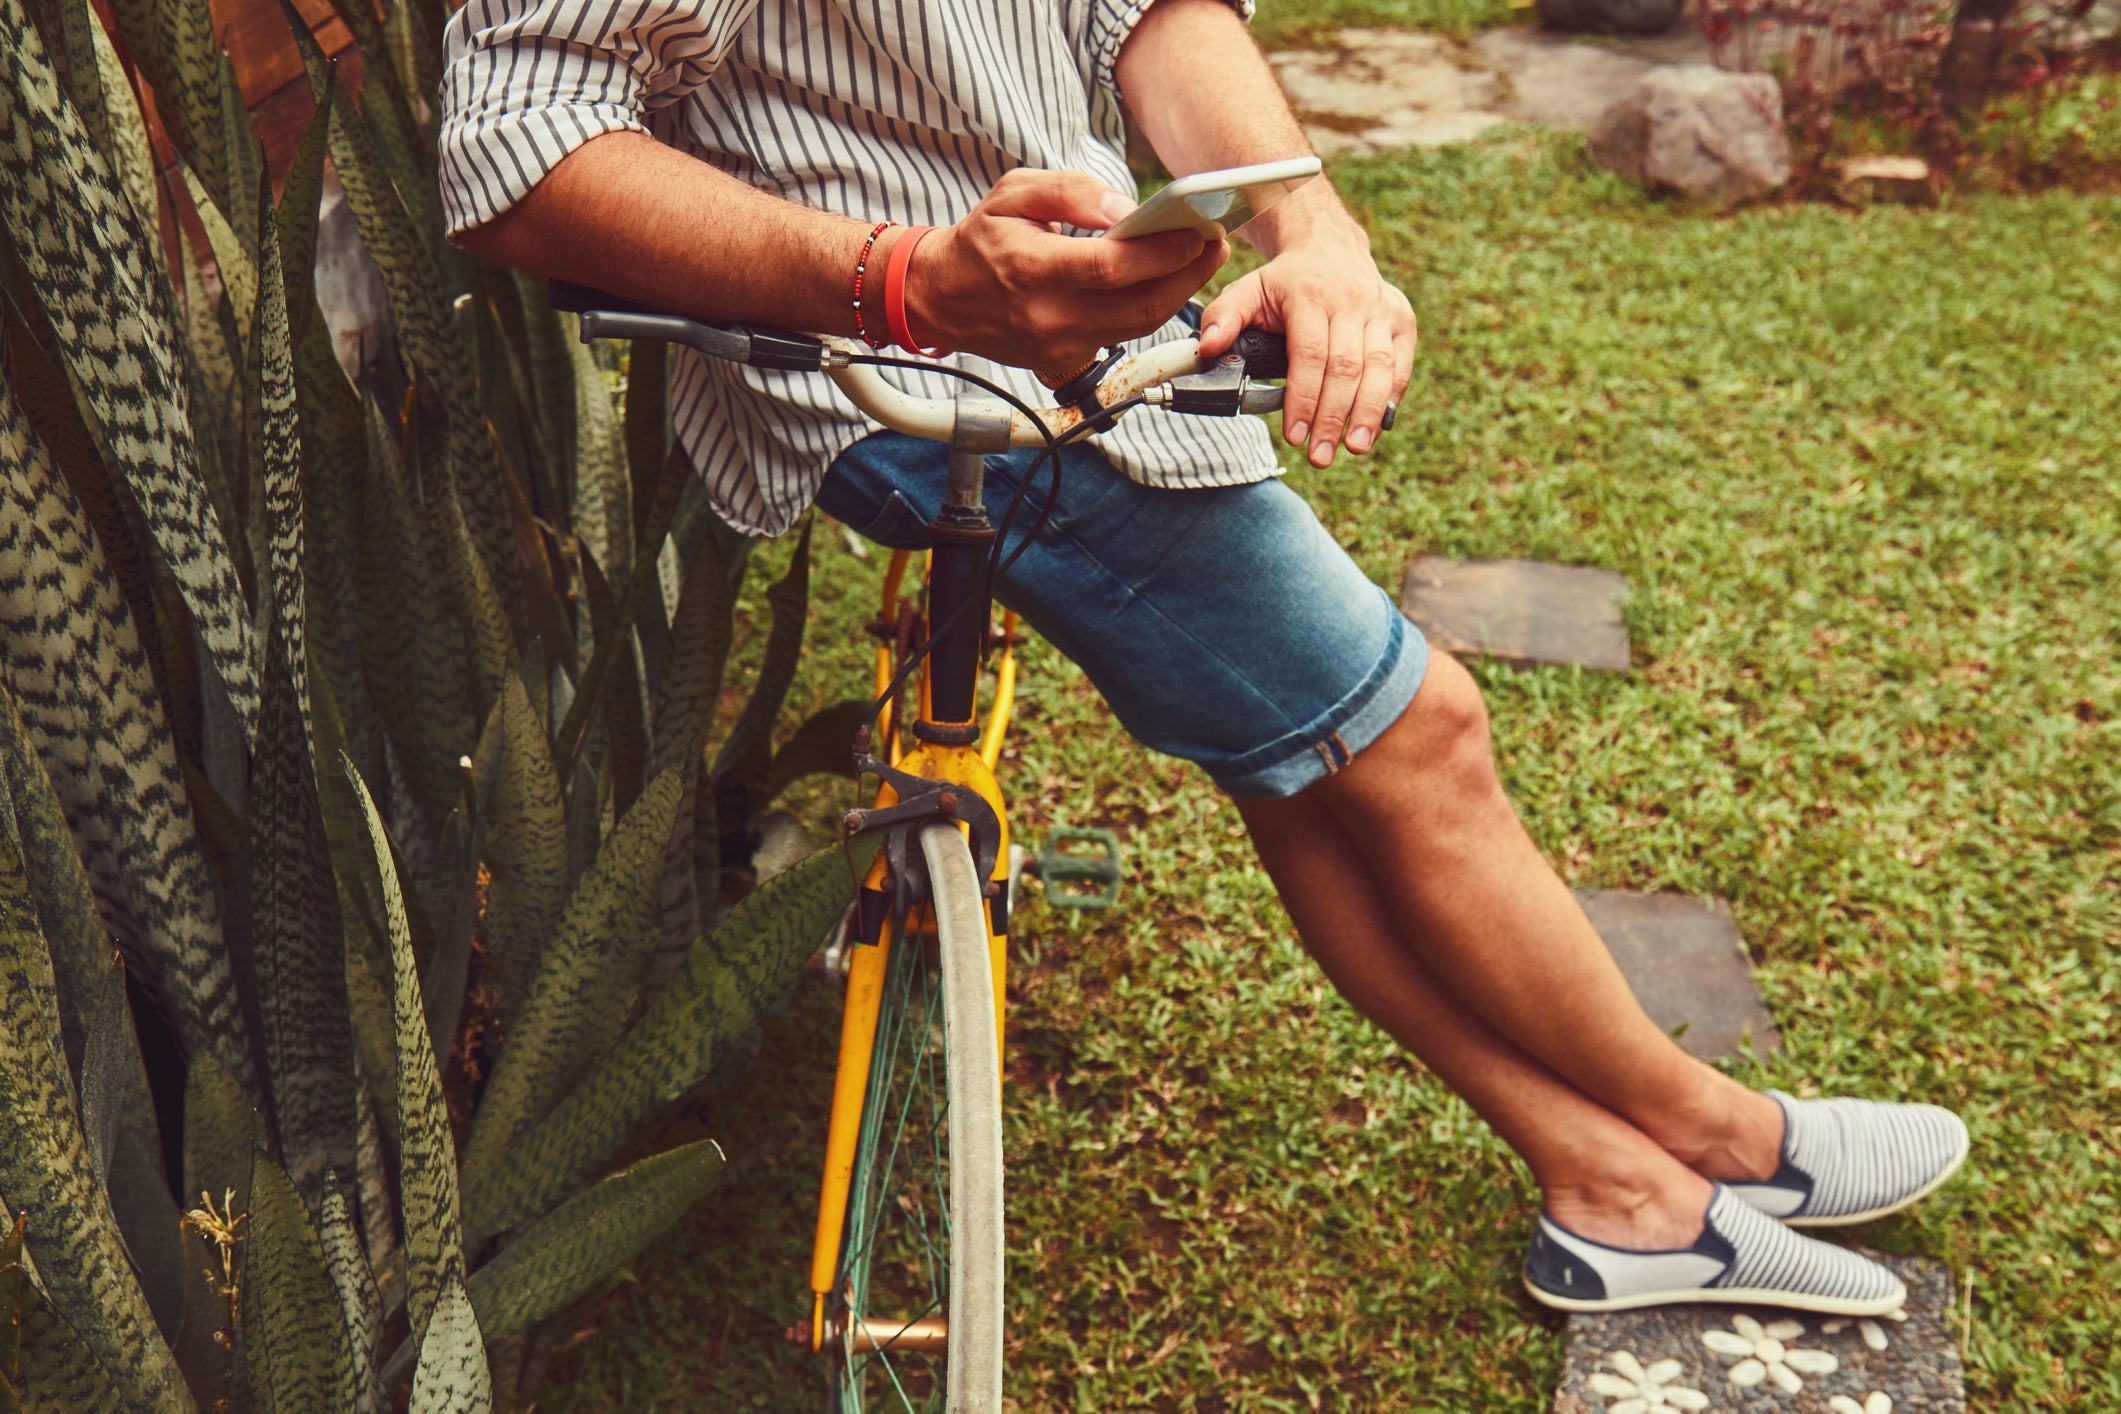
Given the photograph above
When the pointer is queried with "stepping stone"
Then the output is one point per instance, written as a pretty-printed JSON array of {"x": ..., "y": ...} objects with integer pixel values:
[
  {"x": 1688, "y": 967},
  {"x": 1907, "y": 1366},
  {"x": 1522, "y": 611}
]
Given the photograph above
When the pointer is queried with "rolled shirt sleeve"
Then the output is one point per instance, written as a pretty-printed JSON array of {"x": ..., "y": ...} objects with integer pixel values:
[
  {"x": 525, "y": 82},
  {"x": 1109, "y": 22}
]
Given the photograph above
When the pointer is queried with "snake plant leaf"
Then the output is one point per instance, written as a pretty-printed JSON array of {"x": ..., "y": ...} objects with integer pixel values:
[
  {"x": 237, "y": 270},
  {"x": 685, "y": 705},
  {"x": 58, "y": 885},
  {"x": 75, "y": 667},
  {"x": 647, "y": 425},
  {"x": 412, "y": 635},
  {"x": 15, "y": 1295},
  {"x": 360, "y": 1303},
  {"x": 568, "y": 1251},
  {"x": 545, "y": 345},
  {"x": 586, "y": 981},
  {"x": 131, "y": 152},
  {"x": 173, "y": 43},
  {"x": 452, "y": 912},
  {"x": 742, "y": 761},
  {"x": 221, "y": 1128},
  {"x": 822, "y": 745},
  {"x": 452, "y": 1377},
  {"x": 125, "y": 1149},
  {"x": 296, "y": 1352},
  {"x": 79, "y": 240},
  {"x": 625, "y": 727},
  {"x": 60, "y": 1373},
  {"x": 243, "y": 156},
  {"x": 419, "y": 309},
  {"x": 72, "y": 47},
  {"x": 488, "y": 637},
  {"x": 526, "y": 850},
  {"x": 295, "y": 219},
  {"x": 601, "y": 497},
  {"x": 45, "y": 1170},
  {"x": 426, "y": 1158},
  {"x": 746, "y": 965},
  {"x": 297, "y": 937},
  {"x": 280, "y": 443}
]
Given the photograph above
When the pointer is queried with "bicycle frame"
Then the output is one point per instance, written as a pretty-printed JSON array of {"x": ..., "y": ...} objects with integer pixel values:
[{"x": 952, "y": 747}]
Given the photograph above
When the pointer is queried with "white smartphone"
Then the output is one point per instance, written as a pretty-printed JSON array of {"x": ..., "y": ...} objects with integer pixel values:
[{"x": 1216, "y": 204}]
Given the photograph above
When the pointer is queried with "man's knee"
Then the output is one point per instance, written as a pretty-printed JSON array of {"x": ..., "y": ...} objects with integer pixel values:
[{"x": 1438, "y": 753}]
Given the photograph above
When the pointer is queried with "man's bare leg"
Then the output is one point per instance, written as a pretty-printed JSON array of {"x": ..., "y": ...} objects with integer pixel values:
[
  {"x": 1602, "y": 1176},
  {"x": 1427, "y": 860}
]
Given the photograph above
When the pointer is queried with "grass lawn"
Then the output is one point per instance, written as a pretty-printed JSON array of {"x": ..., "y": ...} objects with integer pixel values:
[
  {"x": 1861, "y": 473},
  {"x": 1281, "y": 23}
]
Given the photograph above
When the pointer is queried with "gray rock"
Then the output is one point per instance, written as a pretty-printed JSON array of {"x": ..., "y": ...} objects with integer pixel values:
[
  {"x": 1611, "y": 16},
  {"x": 1687, "y": 965},
  {"x": 1695, "y": 129},
  {"x": 1521, "y": 611}
]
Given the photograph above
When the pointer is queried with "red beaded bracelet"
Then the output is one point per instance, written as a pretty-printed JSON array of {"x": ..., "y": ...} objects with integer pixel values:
[
  {"x": 895, "y": 291},
  {"x": 861, "y": 267}
]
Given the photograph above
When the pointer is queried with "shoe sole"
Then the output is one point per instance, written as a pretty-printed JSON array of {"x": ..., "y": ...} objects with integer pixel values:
[
  {"x": 1725, "y": 1296},
  {"x": 1851, "y": 1219}
]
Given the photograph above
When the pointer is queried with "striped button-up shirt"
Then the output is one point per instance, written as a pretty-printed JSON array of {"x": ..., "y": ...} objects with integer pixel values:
[{"x": 907, "y": 109}]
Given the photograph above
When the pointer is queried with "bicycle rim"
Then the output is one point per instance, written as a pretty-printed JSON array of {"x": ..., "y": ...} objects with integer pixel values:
[{"x": 923, "y": 1248}]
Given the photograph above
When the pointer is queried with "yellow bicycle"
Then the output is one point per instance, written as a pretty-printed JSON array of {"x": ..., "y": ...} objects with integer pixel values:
[{"x": 907, "y": 1263}]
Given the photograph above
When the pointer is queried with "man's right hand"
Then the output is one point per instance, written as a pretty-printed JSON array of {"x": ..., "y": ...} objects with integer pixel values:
[{"x": 1005, "y": 284}]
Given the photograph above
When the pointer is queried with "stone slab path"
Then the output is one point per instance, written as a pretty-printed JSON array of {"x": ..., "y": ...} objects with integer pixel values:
[
  {"x": 1687, "y": 965},
  {"x": 1522, "y": 611},
  {"x": 1910, "y": 1365},
  {"x": 1374, "y": 89}
]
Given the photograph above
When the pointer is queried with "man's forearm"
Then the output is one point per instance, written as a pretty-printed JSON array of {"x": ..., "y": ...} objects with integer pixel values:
[
  {"x": 1206, "y": 99},
  {"x": 627, "y": 214}
]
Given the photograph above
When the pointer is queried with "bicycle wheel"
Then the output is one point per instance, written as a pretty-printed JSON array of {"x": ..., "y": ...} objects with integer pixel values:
[{"x": 919, "y": 1290}]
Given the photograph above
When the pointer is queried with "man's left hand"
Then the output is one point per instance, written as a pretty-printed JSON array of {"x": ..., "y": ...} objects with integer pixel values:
[{"x": 1351, "y": 334}]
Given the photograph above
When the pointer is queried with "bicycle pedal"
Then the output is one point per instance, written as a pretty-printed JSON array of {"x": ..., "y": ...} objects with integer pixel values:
[{"x": 1076, "y": 879}]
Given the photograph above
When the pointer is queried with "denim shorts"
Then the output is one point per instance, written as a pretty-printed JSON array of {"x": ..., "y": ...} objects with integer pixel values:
[{"x": 1223, "y": 625}]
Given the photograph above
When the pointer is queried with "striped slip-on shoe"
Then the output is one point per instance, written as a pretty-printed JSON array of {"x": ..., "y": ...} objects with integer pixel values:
[
  {"x": 1848, "y": 1161},
  {"x": 1742, "y": 1257}
]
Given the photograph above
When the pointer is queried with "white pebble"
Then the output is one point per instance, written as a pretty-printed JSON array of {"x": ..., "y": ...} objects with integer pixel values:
[
  {"x": 1836, "y": 1327},
  {"x": 1784, "y": 1376},
  {"x": 1724, "y": 1343},
  {"x": 1629, "y": 1406},
  {"x": 1786, "y": 1330},
  {"x": 1680, "y": 1397},
  {"x": 1879, "y": 1403},
  {"x": 1842, "y": 1404},
  {"x": 1811, "y": 1362},
  {"x": 1625, "y": 1362},
  {"x": 1748, "y": 1327},
  {"x": 1873, "y": 1334},
  {"x": 1611, "y": 1386},
  {"x": 1664, "y": 1372},
  {"x": 1769, "y": 1349},
  {"x": 1747, "y": 1373}
]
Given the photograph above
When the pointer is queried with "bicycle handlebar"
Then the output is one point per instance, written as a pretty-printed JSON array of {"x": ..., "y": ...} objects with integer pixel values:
[{"x": 1224, "y": 388}]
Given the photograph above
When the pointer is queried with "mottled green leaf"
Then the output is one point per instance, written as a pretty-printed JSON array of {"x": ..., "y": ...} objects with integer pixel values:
[
  {"x": 745, "y": 965},
  {"x": 16, "y": 1293},
  {"x": 602, "y": 494},
  {"x": 412, "y": 629},
  {"x": 360, "y": 1304},
  {"x": 81, "y": 242},
  {"x": 526, "y": 850},
  {"x": 297, "y": 1356},
  {"x": 58, "y": 885},
  {"x": 647, "y": 425},
  {"x": 119, "y": 128},
  {"x": 452, "y": 1377},
  {"x": 244, "y": 158},
  {"x": 46, "y": 1173},
  {"x": 426, "y": 1157},
  {"x": 75, "y": 667},
  {"x": 586, "y": 980},
  {"x": 568, "y": 1251},
  {"x": 741, "y": 762},
  {"x": 125, "y": 1148},
  {"x": 60, "y": 1373},
  {"x": 173, "y": 43},
  {"x": 822, "y": 745}
]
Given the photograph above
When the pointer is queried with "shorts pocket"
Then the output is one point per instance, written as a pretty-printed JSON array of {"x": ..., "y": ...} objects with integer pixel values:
[{"x": 899, "y": 525}]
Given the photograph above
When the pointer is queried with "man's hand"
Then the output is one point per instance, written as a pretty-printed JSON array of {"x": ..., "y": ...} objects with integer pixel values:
[
  {"x": 1351, "y": 334},
  {"x": 1005, "y": 284}
]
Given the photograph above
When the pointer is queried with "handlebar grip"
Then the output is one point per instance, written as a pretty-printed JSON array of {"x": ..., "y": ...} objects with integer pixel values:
[
  {"x": 608, "y": 316},
  {"x": 1266, "y": 355}
]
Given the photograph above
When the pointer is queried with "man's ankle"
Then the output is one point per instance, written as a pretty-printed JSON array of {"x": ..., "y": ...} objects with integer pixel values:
[
  {"x": 1639, "y": 1212},
  {"x": 1731, "y": 1133}
]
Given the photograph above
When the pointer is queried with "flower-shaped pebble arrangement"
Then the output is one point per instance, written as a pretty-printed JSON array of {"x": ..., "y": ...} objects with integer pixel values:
[
  {"x": 1640, "y": 1390},
  {"x": 1765, "y": 1353},
  {"x": 1877, "y": 1402},
  {"x": 1873, "y": 1334}
]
